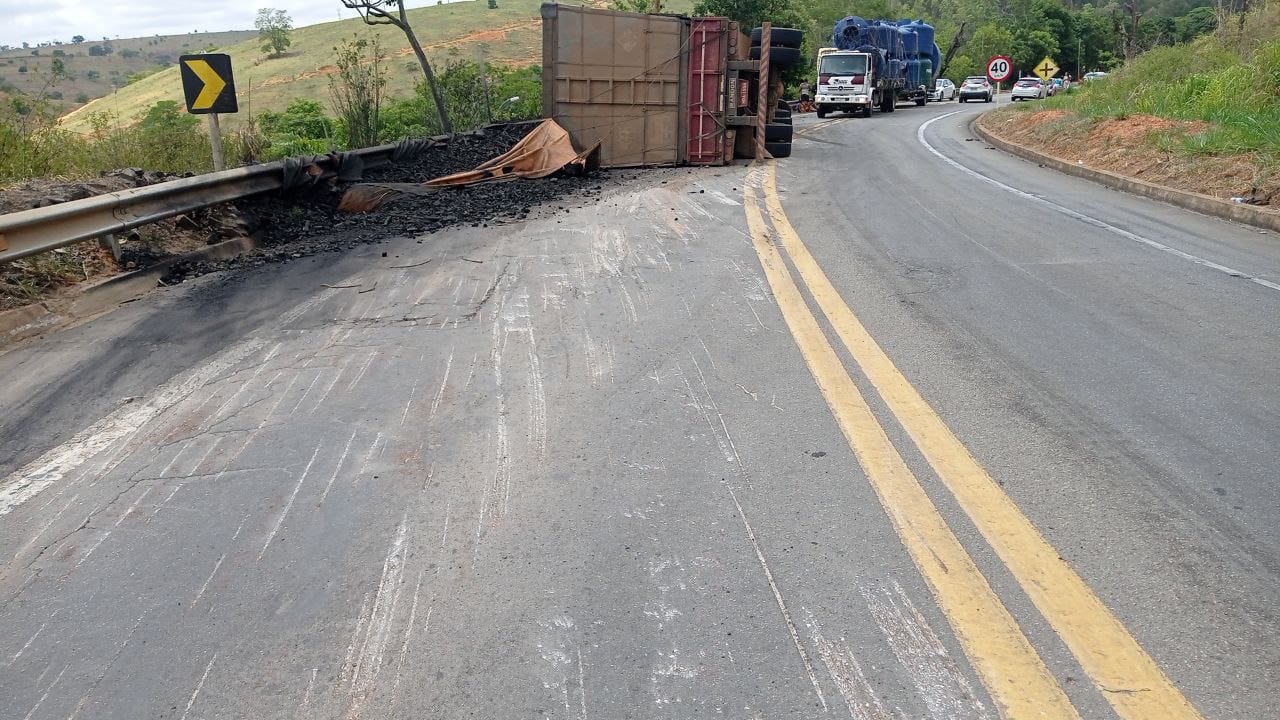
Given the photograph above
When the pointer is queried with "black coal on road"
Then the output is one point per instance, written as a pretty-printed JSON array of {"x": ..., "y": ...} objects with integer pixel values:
[{"x": 305, "y": 222}]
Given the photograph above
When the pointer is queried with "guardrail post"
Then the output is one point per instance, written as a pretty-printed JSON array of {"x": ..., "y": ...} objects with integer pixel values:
[{"x": 109, "y": 242}]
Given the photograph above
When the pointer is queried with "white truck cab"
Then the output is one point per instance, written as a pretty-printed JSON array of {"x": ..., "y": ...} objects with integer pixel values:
[{"x": 845, "y": 82}]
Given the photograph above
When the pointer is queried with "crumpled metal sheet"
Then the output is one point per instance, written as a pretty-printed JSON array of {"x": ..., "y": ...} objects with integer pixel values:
[{"x": 547, "y": 149}]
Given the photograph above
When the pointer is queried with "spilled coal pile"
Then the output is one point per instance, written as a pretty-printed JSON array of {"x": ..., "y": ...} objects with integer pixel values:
[{"x": 304, "y": 222}]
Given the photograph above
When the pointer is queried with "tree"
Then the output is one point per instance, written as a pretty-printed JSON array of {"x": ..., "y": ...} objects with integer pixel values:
[
  {"x": 357, "y": 91},
  {"x": 392, "y": 12},
  {"x": 274, "y": 30},
  {"x": 782, "y": 13},
  {"x": 77, "y": 39}
]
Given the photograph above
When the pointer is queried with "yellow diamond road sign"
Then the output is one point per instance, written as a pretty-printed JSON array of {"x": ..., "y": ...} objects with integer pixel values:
[
  {"x": 1046, "y": 69},
  {"x": 207, "y": 83}
]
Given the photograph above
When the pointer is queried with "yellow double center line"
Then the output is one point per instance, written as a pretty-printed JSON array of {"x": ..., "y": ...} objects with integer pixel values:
[{"x": 1002, "y": 656}]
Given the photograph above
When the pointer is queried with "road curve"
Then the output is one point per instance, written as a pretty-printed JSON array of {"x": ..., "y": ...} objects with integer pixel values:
[{"x": 898, "y": 427}]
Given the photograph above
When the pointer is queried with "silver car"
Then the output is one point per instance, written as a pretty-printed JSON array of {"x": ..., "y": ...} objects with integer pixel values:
[{"x": 943, "y": 90}]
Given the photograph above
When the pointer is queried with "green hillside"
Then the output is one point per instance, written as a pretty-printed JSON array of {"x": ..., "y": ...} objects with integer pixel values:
[
  {"x": 510, "y": 34},
  {"x": 94, "y": 67}
]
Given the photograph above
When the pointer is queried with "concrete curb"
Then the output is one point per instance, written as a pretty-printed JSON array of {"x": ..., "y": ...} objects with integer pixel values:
[
  {"x": 1204, "y": 204},
  {"x": 26, "y": 321},
  {"x": 37, "y": 318}
]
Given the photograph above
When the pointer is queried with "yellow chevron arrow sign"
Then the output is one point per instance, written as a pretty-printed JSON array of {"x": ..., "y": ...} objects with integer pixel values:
[
  {"x": 213, "y": 84},
  {"x": 207, "y": 83}
]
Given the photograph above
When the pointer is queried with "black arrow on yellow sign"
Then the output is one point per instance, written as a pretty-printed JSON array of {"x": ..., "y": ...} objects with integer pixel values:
[{"x": 207, "y": 83}]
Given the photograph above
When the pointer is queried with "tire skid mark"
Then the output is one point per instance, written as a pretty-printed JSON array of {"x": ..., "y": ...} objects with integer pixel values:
[
  {"x": 337, "y": 467},
  {"x": 289, "y": 503},
  {"x": 199, "y": 686},
  {"x": 102, "y": 673},
  {"x": 45, "y": 696},
  {"x": 945, "y": 690},
  {"x": 730, "y": 452},
  {"x": 368, "y": 661},
  {"x": 847, "y": 675},
  {"x": 218, "y": 564}
]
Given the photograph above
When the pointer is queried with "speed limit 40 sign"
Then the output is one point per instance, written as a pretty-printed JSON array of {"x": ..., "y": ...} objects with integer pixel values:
[{"x": 999, "y": 68}]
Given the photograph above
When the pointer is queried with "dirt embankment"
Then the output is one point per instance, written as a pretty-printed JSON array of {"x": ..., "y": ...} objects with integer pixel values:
[{"x": 1141, "y": 146}]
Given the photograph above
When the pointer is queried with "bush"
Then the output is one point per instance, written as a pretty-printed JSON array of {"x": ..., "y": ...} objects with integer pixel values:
[
  {"x": 302, "y": 129},
  {"x": 511, "y": 94}
]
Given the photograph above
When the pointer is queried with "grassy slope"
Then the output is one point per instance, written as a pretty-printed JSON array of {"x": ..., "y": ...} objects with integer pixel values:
[
  {"x": 153, "y": 52},
  {"x": 1229, "y": 79},
  {"x": 510, "y": 34}
]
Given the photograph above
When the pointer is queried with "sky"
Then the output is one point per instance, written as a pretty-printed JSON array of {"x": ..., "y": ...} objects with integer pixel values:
[{"x": 25, "y": 21}]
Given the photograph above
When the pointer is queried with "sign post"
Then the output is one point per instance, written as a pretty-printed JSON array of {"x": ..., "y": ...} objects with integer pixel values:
[
  {"x": 999, "y": 68},
  {"x": 209, "y": 89}
]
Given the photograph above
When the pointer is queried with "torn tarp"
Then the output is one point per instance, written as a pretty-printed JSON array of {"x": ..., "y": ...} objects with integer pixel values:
[{"x": 546, "y": 150}]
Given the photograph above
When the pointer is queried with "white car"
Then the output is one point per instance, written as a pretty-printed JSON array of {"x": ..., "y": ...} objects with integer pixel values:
[
  {"x": 976, "y": 87},
  {"x": 1028, "y": 89},
  {"x": 943, "y": 90}
]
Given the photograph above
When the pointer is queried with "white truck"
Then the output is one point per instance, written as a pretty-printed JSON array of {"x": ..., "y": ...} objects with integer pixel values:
[{"x": 848, "y": 82}]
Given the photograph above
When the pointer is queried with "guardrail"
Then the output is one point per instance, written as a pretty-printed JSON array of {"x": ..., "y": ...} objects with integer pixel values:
[{"x": 31, "y": 232}]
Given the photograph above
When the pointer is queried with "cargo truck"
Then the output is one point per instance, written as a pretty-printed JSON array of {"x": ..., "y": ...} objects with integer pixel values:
[
  {"x": 876, "y": 64},
  {"x": 854, "y": 82}
]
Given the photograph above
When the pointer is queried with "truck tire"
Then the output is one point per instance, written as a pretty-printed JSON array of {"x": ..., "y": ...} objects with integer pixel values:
[
  {"x": 778, "y": 133},
  {"x": 778, "y": 149},
  {"x": 822, "y": 112},
  {"x": 779, "y": 56},
  {"x": 780, "y": 37}
]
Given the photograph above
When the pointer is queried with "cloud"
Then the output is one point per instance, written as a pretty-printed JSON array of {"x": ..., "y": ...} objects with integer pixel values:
[{"x": 62, "y": 19}]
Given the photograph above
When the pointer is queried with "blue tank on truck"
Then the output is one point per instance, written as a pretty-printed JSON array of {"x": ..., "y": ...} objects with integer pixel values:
[{"x": 908, "y": 53}]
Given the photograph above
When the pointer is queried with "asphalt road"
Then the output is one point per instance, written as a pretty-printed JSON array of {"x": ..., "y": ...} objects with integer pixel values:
[{"x": 858, "y": 432}]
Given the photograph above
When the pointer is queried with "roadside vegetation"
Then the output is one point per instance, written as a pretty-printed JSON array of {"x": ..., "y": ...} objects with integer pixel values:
[
  {"x": 164, "y": 137},
  {"x": 1229, "y": 80},
  {"x": 1201, "y": 116}
]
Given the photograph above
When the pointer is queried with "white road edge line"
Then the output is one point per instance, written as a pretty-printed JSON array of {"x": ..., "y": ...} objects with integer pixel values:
[{"x": 1081, "y": 217}]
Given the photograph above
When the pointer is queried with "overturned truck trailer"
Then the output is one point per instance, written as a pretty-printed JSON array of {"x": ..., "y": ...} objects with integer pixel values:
[{"x": 651, "y": 89}]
